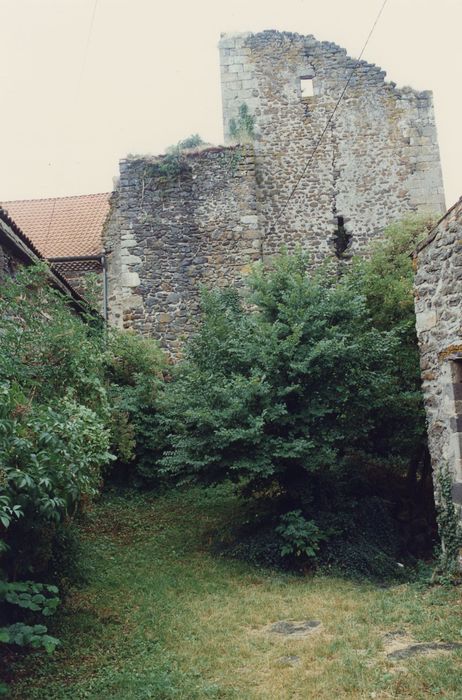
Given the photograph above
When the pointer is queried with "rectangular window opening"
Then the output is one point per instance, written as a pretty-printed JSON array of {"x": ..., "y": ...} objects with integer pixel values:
[{"x": 306, "y": 86}]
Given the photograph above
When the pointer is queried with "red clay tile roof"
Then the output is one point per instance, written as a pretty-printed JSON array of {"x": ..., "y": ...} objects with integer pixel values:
[{"x": 62, "y": 226}]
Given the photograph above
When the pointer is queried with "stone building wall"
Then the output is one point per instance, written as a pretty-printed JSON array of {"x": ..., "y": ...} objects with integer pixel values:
[
  {"x": 170, "y": 235},
  {"x": 438, "y": 304},
  {"x": 378, "y": 159}
]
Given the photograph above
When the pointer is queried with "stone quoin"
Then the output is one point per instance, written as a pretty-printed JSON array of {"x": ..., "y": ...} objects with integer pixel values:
[{"x": 229, "y": 206}]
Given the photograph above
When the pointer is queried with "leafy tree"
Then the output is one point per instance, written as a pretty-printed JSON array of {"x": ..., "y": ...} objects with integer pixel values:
[
  {"x": 307, "y": 395},
  {"x": 385, "y": 280},
  {"x": 291, "y": 387}
]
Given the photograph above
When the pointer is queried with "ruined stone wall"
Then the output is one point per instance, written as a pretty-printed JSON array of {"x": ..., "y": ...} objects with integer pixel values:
[
  {"x": 171, "y": 234},
  {"x": 378, "y": 159},
  {"x": 438, "y": 304}
]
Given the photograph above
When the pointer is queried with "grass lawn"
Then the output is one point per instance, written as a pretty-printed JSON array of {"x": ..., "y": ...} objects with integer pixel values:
[{"x": 164, "y": 619}]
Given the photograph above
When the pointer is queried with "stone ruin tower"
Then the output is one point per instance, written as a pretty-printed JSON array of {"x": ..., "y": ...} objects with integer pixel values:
[
  {"x": 228, "y": 206},
  {"x": 378, "y": 158}
]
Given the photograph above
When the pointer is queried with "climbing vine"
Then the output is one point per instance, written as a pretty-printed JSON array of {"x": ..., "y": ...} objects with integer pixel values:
[
  {"x": 232, "y": 160},
  {"x": 449, "y": 528}
]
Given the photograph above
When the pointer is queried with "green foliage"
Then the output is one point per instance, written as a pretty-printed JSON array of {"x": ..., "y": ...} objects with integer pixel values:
[
  {"x": 53, "y": 407},
  {"x": 448, "y": 565},
  {"x": 54, "y": 442},
  {"x": 131, "y": 357},
  {"x": 386, "y": 278},
  {"x": 90, "y": 286},
  {"x": 51, "y": 455},
  {"x": 34, "y": 636},
  {"x": 313, "y": 392},
  {"x": 290, "y": 389},
  {"x": 173, "y": 163},
  {"x": 34, "y": 600},
  {"x": 29, "y": 595},
  {"x": 192, "y": 141},
  {"x": 300, "y": 536},
  {"x": 135, "y": 368},
  {"x": 385, "y": 281},
  {"x": 47, "y": 349},
  {"x": 242, "y": 129}
]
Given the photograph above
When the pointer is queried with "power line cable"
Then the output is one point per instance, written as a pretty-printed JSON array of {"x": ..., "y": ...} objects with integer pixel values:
[
  {"x": 329, "y": 121},
  {"x": 87, "y": 45}
]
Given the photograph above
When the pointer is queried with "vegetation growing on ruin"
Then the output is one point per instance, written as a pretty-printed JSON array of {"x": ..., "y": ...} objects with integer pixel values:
[
  {"x": 173, "y": 163},
  {"x": 242, "y": 129},
  {"x": 449, "y": 525}
]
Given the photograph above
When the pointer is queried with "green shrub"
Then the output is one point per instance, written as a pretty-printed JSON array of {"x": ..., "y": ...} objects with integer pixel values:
[
  {"x": 135, "y": 368},
  {"x": 47, "y": 349},
  {"x": 385, "y": 280},
  {"x": 51, "y": 456},
  {"x": 312, "y": 399},
  {"x": 242, "y": 129},
  {"x": 173, "y": 163},
  {"x": 54, "y": 443},
  {"x": 290, "y": 389},
  {"x": 301, "y": 537}
]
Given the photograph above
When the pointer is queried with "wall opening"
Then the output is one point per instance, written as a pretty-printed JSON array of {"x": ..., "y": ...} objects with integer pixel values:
[
  {"x": 342, "y": 239},
  {"x": 306, "y": 85}
]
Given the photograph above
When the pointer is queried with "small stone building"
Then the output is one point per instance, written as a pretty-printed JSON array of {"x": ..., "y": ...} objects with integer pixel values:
[
  {"x": 438, "y": 304},
  {"x": 17, "y": 250},
  {"x": 68, "y": 233}
]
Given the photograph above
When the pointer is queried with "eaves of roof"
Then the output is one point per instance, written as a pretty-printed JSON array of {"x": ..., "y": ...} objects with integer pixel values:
[{"x": 16, "y": 239}]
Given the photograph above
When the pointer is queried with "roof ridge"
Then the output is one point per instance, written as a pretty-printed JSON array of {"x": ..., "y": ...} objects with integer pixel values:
[{"x": 53, "y": 199}]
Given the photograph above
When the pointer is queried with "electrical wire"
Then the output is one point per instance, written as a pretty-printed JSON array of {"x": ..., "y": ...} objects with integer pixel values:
[
  {"x": 87, "y": 45},
  {"x": 329, "y": 121}
]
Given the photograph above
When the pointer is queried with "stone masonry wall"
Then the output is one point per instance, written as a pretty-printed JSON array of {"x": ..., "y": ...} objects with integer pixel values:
[
  {"x": 169, "y": 235},
  {"x": 438, "y": 304},
  {"x": 227, "y": 207},
  {"x": 378, "y": 159}
]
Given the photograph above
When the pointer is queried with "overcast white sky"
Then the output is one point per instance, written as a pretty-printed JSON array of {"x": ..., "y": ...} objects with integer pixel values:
[{"x": 74, "y": 102}]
